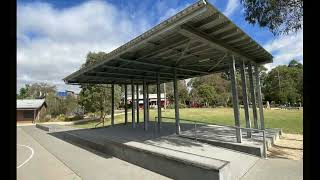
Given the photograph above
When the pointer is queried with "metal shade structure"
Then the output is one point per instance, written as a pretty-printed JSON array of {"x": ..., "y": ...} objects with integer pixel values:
[{"x": 197, "y": 41}]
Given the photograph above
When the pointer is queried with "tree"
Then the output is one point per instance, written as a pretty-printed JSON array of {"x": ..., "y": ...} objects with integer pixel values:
[
  {"x": 284, "y": 84},
  {"x": 97, "y": 98},
  {"x": 279, "y": 16},
  {"x": 23, "y": 93},
  {"x": 206, "y": 93},
  {"x": 220, "y": 83},
  {"x": 295, "y": 63},
  {"x": 36, "y": 91}
]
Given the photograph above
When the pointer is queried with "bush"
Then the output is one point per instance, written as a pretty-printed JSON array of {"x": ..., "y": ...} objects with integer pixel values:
[
  {"x": 74, "y": 118},
  {"x": 61, "y": 117}
]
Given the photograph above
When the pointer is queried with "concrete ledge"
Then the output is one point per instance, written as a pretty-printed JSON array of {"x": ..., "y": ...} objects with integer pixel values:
[
  {"x": 244, "y": 147},
  {"x": 45, "y": 128},
  {"x": 170, "y": 163},
  {"x": 257, "y": 151}
]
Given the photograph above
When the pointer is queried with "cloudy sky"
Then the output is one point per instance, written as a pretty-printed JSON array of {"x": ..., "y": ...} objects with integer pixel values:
[{"x": 53, "y": 37}]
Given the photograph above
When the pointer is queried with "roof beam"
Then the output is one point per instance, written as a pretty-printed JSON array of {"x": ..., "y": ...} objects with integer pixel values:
[
  {"x": 113, "y": 78},
  {"x": 225, "y": 55},
  {"x": 182, "y": 53},
  {"x": 207, "y": 20},
  {"x": 217, "y": 27},
  {"x": 131, "y": 75},
  {"x": 143, "y": 71},
  {"x": 160, "y": 66},
  {"x": 226, "y": 33},
  {"x": 201, "y": 36}
]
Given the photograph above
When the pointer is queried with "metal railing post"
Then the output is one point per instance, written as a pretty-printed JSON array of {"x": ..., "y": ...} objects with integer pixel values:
[
  {"x": 195, "y": 130},
  {"x": 264, "y": 144}
]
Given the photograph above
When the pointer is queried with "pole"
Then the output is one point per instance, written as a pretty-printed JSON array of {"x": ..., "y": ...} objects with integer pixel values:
[
  {"x": 125, "y": 104},
  {"x": 176, "y": 102},
  {"x": 235, "y": 99},
  {"x": 245, "y": 98},
  {"x": 112, "y": 104},
  {"x": 145, "y": 106},
  {"x": 258, "y": 86},
  {"x": 133, "y": 105},
  {"x": 148, "y": 102},
  {"x": 137, "y": 90},
  {"x": 165, "y": 96},
  {"x": 159, "y": 101},
  {"x": 253, "y": 97}
]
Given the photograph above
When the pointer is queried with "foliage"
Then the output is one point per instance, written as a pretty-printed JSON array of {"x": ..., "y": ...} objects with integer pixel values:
[
  {"x": 279, "y": 16},
  {"x": 36, "y": 91},
  {"x": 284, "y": 84},
  {"x": 97, "y": 98},
  {"x": 217, "y": 89}
]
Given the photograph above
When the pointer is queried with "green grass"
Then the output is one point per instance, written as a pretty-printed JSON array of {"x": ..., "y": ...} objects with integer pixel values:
[{"x": 289, "y": 120}]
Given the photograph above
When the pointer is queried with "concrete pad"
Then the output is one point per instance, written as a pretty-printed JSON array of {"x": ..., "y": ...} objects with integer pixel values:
[
  {"x": 275, "y": 169},
  {"x": 89, "y": 164},
  {"x": 196, "y": 153},
  {"x": 42, "y": 165}
]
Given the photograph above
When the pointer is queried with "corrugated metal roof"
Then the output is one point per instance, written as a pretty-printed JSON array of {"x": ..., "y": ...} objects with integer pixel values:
[
  {"x": 29, "y": 103},
  {"x": 198, "y": 40}
]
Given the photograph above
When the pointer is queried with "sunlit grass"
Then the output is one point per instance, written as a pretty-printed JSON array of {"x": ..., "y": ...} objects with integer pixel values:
[{"x": 291, "y": 121}]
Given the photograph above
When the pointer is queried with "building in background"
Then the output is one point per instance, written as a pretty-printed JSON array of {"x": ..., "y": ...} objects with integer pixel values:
[
  {"x": 64, "y": 94},
  {"x": 152, "y": 100},
  {"x": 30, "y": 110}
]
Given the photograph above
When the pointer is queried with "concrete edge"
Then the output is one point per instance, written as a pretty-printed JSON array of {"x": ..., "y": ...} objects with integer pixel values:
[
  {"x": 232, "y": 146},
  {"x": 45, "y": 128}
]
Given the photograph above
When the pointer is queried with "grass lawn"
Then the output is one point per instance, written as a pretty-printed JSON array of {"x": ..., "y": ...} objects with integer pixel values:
[{"x": 289, "y": 120}]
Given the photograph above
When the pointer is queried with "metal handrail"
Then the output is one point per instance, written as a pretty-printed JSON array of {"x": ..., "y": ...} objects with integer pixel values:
[
  {"x": 236, "y": 127},
  {"x": 95, "y": 126}
]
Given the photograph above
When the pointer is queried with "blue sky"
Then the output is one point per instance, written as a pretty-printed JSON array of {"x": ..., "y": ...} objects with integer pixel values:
[{"x": 53, "y": 37}]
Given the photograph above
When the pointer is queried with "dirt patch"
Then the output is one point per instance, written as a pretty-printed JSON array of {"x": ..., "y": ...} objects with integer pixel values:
[{"x": 289, "y": 146}]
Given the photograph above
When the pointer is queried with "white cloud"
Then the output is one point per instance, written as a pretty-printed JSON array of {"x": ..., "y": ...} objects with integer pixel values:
[
  {"x": 52, "y": 43},
  {"x": 285, "y": 48},
  {"x": 231, "y": 7}
]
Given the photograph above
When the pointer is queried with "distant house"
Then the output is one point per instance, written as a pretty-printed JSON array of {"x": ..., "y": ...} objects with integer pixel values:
[
  {"x": 30, "y": 110},
  {"x": 152, "y": 100}
]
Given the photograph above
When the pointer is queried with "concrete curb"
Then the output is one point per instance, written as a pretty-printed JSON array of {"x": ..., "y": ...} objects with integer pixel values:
[
  {"x": 78, "y": 121},
  {"x": 45, "y": 128}
]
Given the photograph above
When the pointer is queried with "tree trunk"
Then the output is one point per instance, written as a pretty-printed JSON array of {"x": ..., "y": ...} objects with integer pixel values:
[{"x": 101, "y": 118}]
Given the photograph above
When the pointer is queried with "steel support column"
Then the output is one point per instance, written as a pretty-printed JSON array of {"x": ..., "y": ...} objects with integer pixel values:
[
  {"x": 137, "y": 90},
  {"x": 133, "y": 105},
  {"x": 145, "y": 106},
  {"x": 176, "y": 102},
  {"x": 235, "y": 100},
  {"x": 258, "y": 86},
  {"x": 245, "y": 98},
  {"x": 253, "y": 97},
  {"x": 159, "y": 102},
  {"x": 112, "y": 104},
  {"x": 148, "y": 102},
  {"x": 125, "y": 104}
]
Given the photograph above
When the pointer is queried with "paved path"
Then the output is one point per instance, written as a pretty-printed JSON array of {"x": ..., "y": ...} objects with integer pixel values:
[
  {"x": 88, "y": 164},
  {"x": 275, "y": 169},
  {"x": 35, "y": 162}
]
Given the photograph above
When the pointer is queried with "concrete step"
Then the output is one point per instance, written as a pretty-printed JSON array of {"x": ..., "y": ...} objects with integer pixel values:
[
  {"x": 171, "y": 163},
  {"x": 225, "y": 137}
]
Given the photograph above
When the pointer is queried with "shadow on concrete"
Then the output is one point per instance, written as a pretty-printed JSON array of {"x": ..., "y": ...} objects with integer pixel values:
[
  {"x": 123, "y": 133},
  {"x": 60, "y": 136}
]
